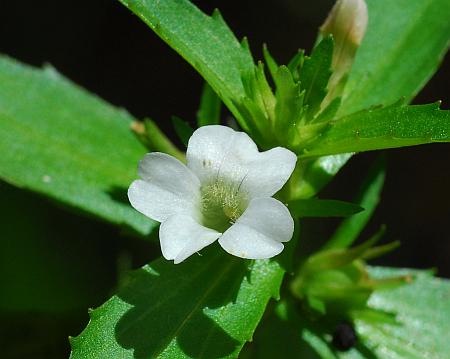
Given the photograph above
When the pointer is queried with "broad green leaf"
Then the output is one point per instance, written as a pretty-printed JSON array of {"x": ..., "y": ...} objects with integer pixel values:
[
  {"x": 379, "y": 128},
  {"x": 210, "y": 107},
  {"x": 314, "y": 75},
  {"x": 421, "y": 310},
  {"x": 210, "y": 308},
  {"x": 368, "y": 197},
  {"x": 183, "y": 130},
  {"x": 206, "y": 42},
  {"x": 403, "y": 46},
  {"x": 323, "y": 208},
  {"x": 60, "y": 141}
]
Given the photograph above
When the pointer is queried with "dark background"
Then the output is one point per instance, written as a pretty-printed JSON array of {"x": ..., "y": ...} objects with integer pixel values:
[{"x": 100, "y": 45}]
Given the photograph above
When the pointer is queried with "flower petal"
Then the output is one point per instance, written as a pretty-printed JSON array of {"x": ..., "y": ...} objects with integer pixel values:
[
  {"x": 181, "y": 236},
  {"x": 168, "y": 187},
  {"x": 258, "y": 233},
  {"x": 220, "y": 152},
  {"x": 269, "y": 172}
]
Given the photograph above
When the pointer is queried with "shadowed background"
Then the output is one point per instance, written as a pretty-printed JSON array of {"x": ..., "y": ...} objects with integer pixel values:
[{"x": 53, "y": 264}]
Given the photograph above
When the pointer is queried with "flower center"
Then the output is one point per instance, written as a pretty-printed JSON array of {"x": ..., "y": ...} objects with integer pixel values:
[{"x": 222, "y": 203}]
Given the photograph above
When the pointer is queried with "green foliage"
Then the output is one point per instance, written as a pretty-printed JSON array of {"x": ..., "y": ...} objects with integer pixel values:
[
  {"x": 368, "y": 197},
  {"x": 387, "y": 127},
  {"x": 314, "y": 75},
  {"x": 323, "y": 208},
  {"x": 289, "y": 102},
  {"x": 409, "y": 321},
  {"x": 314, "y": 174},
  {"x": 206, "y": 307},
  {"x": 404, "y": 43},
  {"x": 60, "y": 141},
  {"x": 206, "y": 42},
  {"x": 403, "y": 46}
]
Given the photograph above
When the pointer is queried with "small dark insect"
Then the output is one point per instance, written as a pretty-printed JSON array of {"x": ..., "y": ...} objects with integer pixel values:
[{"x": 344, "y": 337}]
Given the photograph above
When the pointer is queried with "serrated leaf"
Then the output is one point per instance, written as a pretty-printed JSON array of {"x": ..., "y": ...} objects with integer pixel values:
[
  {"x": 289, "y": 102},
  {"x": 206, "y": 42},
  {"x": 60, "y": 141},
  {"x": 368, "y": 197},
  {"x": 210, "y": 107},
  {"x": 379, "y": 128},
  {"x": 323, "y": 208},
  {"x": 210, "y": 308},
  {"x": 314, "y": 75},
  {"x": 183, "y": 130},
  {"x": 403, "y": 46}
]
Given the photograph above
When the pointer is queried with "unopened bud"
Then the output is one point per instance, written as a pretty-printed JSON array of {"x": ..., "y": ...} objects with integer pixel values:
[{"x": 347, "y": 22}]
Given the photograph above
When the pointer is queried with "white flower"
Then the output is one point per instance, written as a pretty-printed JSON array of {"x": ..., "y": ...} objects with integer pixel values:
[{"x": 223, "y": 193}]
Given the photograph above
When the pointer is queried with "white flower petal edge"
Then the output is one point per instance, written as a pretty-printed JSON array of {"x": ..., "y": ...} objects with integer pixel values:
[
  {"x": 219, "y": 151},
  {"x": 181, "y": 236},
  {"x": 260, "y": 231},
  {"x": 226, "y": 187},
  {"x": 167, "y": 187}
]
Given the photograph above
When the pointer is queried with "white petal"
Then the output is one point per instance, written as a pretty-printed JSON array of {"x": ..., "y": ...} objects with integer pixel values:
[
  {"x": 168, "y": 187},
  {"x": 220, "y": 152},
  {"x": 181, "y": 236},
  {"x": 269, "y": 172},
  {"x": 258, "y": 233}
]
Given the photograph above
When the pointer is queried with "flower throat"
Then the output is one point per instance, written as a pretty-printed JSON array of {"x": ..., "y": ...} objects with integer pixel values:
[{"x": 222, "y": 203}]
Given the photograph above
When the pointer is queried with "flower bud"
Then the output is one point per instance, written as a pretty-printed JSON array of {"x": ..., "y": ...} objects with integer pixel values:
[{"x": 347, "y": 22}]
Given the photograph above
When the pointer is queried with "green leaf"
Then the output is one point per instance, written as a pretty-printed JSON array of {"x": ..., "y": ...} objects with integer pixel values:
[
  {"x": 314, "y": 174},
  {"x": 60, "y": 141},
  {"x": 206, "y": 42},
  {"x": 420, "y": 309},
  {"x": 296, "y": 63},
  {"x": 368, "y": 197},
  {"x": 379, "y": 128},
  {"x": 314, "y": 75},
  {"x": 183, "y": 130},
  {"x": 210, "y": 107},
  {"x": 323, "y": 208},
  {"x": 403, "y": 47},
  {"x": 210, "y": 308},
  {"x": 289, "y": 102},
  {"x": 272, "y": 65}
]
